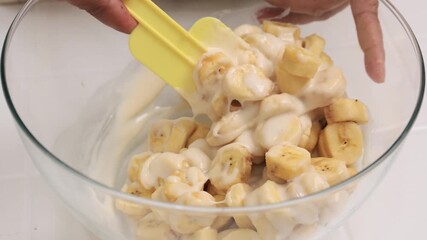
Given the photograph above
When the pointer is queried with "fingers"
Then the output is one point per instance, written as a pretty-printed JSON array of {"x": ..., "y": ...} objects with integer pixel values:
[
  {"x": 296, "y": 18},
  {"x": 368, "y": 27},
  {"x": 309, "y": 7},
  {"x": 111, "y": 12}
]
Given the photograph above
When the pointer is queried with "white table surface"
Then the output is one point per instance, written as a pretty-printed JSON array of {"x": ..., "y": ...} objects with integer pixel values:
[{"x": 396, "y": 210}]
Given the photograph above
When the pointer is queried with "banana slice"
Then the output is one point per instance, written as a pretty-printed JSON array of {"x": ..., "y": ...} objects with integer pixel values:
[
  {"x": 234, "y": 198},
  {"x": 247, "y": 139},
  {"x": 135, "y": 165},
  {"x": 278, "y": 104},
  {"x": 280, "y": 129},
  {"x": 231, "y": 165},
  {"x": 306, "y": 125},
  {"x": 206, "y": 233},
  {"x": 267, "y": 175},
  {"x": 221, "y": 221},
  {"x": 171, "y": 136},
  {"x": 269, "y": 192},
  {"x": 289, "y": 83},
  {"x": 346, "y": 110},
  {"x": 333, "y": 170},
  {"x": 156, "y": 229},
  {"x": 287, "y": 161},
  {"x": 201, "y": 131},
  {"x": 159, "y": 166},
  {"x": 324, "y": 88},
  {"x": 311, "y": 142},
  {"x": 314, "y": 43},
  {"x": 247, "y": 234},
  {"x": 326, "y": 59},
  {"x": 219, "y": 104},
  {"x": 197, "y": 158},
  {"x": 245, "y": 29},
  {"x": 247, "y": 83},
  {"x": 181, "y": 182},
  {"x": 212, "y": 68},
  {"x": 299, "y": 62},
  {"x": 131, "y": 208},
  {"x": 271, "y": 46},
  {"x": 232, "y": 125},
  {"x": 285, "y": 31},
  {"x": 204, "y": 146},
  {"x": 342, "y": 141},
  {"x": 351, "y": 171},
  {"x": 186, "y": 223}
]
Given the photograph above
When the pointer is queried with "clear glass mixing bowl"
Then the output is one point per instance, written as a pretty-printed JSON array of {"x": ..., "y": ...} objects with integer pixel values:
[{"x": 66, "y": 79}]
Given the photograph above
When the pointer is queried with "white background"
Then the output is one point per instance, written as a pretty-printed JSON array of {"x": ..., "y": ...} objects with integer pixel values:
[{"x": 396, "y": 210}]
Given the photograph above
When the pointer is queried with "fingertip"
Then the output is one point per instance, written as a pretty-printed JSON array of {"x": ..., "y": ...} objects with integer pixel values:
[{"x": 375, "y": 70}]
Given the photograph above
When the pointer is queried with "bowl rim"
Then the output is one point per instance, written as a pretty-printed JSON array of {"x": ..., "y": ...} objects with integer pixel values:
[{"x": 221, "y": 210}]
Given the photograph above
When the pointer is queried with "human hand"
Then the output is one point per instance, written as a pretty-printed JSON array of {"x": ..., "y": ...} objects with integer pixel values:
[
  {"x": 365, "y": 13},
  {"x": 111, "y": 12}
]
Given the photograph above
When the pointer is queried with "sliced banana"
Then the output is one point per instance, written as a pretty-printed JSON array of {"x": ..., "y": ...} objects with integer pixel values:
[
  {"x": 247, "y": 139},
  {"x": 287, "y": 161},
  {"x": 186, "y": 223},
  {"x": 342, "y": 141},
  {"x": 306, "y": 125},
  {"x": 234, "y": 198},
  {"x": 206, "y": 233},
  {"x": 269, "y": 192},
  {"x": 156, "y": 229},
  {"x": 311, "y": 142},
  {"x": 280, "y": 129},
  {"x": 278, "y": 104},
  {"x": 245, "y": 29},
  {"x": 352, "y": 171},
  {"x": 289, "y": 83},
  {"x": 326, "y": 59},
  {"x": 333, "y": 170},
  {"x": 219, "y": 104},
  {"x": 221, "y": 221},
  {"x": 212, "y": 68},
  {"x": 135, "y": 165},
  {"x": 184, "y": 181},
  {"x": 314, "y": 43},
  {"x": 285, "y": 31},
  {"x": 159, "y": 166},
  {"x": 131, "y": 208},
  {"x": 271, "y": 46},
  {"x": 232, "y": 125},
  {"x": 324, "y": 88},
  {"x": 346, "y": 110},
  {"x": 247, "y": 83},
  {"x": 204, "y": 146},
  {"x": 299, "y": 62},
  {"x": 201, "y": 131},
  {"x": 247, "y": 234},
  {"x": 197, "y": 158},
  {"x": 171, "y": 136},
  {"x": 231, "y": 165}
]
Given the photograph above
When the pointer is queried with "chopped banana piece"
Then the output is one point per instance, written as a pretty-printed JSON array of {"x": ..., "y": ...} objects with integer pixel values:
[
  {"x": 333, "y": 170},
  {"x": 189, "y": 223},
  {"x": 326, "y": 59},
  {"x": 289, "y": 83},
  {"x": 314, "y": 43},
  {"x": 342, "y": 141},
  {"x": 245, "y": 29},
  {"x": 232, "y": 125},
  {"x": 197, "y": 158},
  {"x": 204, "y": 146},
  {"x": 271, "y": 46},
  {"x": 181, "y": 182},
  {"x": 135, "y": 165},
  {"x": 287, "y": 161},
  {"x": 279, "y": 104},
  {"x": 313, "y": 137},
  {"x": 200, "y": 132},
  {"x": 299, "y": 62},
  {"x": 219, "y": 104},
  {"x": 131, "y": 208},
  {"x": 171, "y": 136},
  {"x": 324, "y": 88},
  {"x": 346, "y": 110},
  {"x": 306, "y": 125},
  {"x": 351, "y": 171},
  {"x": 206, "y": 233},
  {"x": 269, "y": 192},
  {"x": 246, "y": 234},
  {"x": 247, "y": 83},
  {"x": 212, "y": 69},
  {"x": 247, "y": 139},
  {"x": 231, "y": 165},
  {"x": 280, "y": 129},
  {"x": 221, "y": 221},
  {"x": 285, "y": 31},
  {"x": 236, "y": 194},
  {"x": 156, "y": 229}
]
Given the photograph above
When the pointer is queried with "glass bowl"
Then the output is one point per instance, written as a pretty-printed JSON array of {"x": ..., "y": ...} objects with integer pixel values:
[{"x": 79, "y": 100}]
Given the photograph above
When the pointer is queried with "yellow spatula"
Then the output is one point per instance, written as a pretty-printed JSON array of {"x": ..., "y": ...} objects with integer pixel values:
[{"x": 167, "y": 49}]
